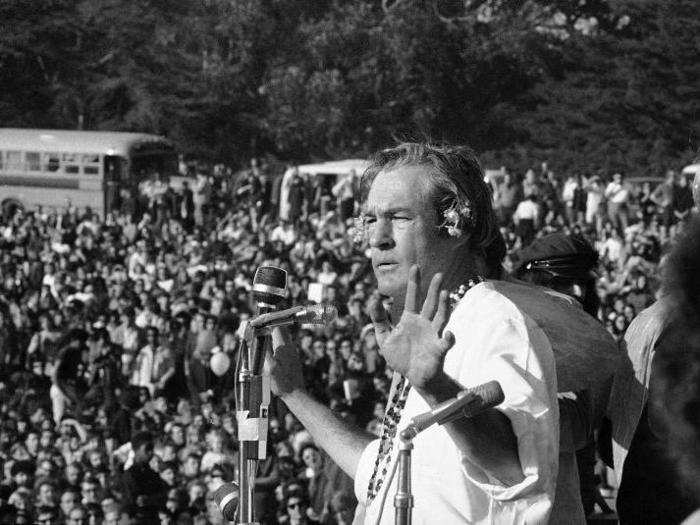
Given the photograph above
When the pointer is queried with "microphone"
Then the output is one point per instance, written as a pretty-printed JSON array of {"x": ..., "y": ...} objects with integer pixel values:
[
  {"x": 226, "y": 499},
  {"x": 315, "y": 314},
  {"x": 269, "y": 287},
  {"x": 467, "y": 403}
]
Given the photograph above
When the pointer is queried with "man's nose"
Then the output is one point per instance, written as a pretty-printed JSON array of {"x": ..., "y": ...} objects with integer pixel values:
[{"x": 381, "y": 235}]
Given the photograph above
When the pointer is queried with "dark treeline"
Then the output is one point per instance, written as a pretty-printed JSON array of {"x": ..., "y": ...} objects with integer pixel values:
[{"x": 591, "y": 85}]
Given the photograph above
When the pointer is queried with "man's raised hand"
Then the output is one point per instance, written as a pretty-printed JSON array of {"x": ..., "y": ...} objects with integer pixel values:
[{"x": 416, "y": 346}]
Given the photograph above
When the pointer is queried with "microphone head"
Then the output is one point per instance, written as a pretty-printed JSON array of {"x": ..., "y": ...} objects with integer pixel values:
[
  {"x": 269, "y": 285},
  {"x": 317, "y": 314},
  {"x": 226, "y": 498}
]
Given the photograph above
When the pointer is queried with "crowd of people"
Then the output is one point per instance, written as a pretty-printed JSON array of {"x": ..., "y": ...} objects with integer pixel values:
[{"x": 118, "y": 335}]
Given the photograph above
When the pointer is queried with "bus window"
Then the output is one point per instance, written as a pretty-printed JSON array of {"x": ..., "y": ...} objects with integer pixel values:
[
  {"x": 52, "y": 162},
  {"x": 33, "y": 160},
  {"x": 13, "y": 160},
  {"x": 91, "y": 164},
  {"x": 70, "y": 163}
]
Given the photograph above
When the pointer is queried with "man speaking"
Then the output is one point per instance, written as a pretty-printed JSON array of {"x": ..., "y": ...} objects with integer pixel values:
[{"x": 434, "y": 242}]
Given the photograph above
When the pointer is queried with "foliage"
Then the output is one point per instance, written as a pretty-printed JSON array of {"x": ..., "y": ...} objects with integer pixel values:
[{"x": 591, "y": 85}]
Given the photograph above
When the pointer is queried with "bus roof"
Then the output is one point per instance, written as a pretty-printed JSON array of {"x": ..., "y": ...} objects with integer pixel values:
[
  {"x": 333, "y": 167},
  {"x": 55, "y": 140}
]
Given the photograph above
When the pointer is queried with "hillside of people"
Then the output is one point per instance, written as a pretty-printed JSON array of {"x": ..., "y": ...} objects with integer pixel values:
[{"x": 118, "y": 335}]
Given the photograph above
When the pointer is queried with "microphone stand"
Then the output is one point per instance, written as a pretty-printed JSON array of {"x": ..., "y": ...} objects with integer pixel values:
[
  {"x": 403, "y": 500},
  {"x": 467, "y": 403},
  {"x": 252, "y": 416}
]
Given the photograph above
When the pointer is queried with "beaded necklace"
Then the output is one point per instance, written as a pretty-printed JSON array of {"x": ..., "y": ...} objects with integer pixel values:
[{"x": 392, "y": 417}]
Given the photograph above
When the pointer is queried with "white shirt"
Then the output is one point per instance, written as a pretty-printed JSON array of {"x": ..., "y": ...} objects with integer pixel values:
[
  {"x": 526, "y": 210},
  {"x": 617, "y": 193},
  {"x": 286, "y": 235},
  {"x": 144, "y": 368},
  {"x": 494, "y": 341},
  {"x": 570, "y": 186}
]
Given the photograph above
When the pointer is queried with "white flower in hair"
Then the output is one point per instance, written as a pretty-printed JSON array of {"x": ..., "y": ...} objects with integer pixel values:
[{"x": 456, "y": 216}]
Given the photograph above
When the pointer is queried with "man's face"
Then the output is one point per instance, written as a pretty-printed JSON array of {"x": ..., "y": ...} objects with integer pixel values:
[{"x": 403, "y": 230}]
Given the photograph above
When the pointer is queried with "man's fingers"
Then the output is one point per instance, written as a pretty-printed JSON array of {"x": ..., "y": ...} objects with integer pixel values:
[
  {"x": 447, "y": 341},
  {"x": 443, "y": 312},
  {"x": 380, "y": 319},
  {"x": 412, "y": 290},
  {"x": 432, "y": 297}
]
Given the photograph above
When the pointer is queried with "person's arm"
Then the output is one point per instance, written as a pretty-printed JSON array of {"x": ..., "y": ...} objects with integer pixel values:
[
  {"x": 486, "y": 438},
  {"x": 344, "y": 443},
  {"x": 170, "y": 373}
]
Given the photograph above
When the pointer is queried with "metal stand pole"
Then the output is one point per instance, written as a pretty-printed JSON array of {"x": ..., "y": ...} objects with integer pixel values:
[
  {"x": 251, "y": 414},
  {"x": 403, "y": 500},
  {"x": 246, "y": 466}
]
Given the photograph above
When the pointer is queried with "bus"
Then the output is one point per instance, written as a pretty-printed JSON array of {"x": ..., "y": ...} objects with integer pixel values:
[
  {"x": 99, "y": 169},
  {"x": 328, "y": 174}
]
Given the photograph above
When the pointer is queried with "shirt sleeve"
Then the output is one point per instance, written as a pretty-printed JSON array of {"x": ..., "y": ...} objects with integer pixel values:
[
  {"x": 516, "y": 353},
  {"x": 364, "y": 470}
]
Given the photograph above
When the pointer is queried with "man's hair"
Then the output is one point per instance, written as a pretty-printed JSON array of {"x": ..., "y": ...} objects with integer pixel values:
[{"x": 456, "y": 179}]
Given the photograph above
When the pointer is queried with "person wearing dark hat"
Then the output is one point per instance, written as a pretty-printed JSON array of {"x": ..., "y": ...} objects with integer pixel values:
[{"x": 566, "y": 264}]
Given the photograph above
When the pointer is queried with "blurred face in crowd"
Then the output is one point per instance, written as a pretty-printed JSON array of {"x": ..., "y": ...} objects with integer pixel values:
[
  {"x": 215, "y": 443},
  {"x": 32, "y": 441},
  {"x": 191, "y": 467},
  {"x": 620, "y": 323},
  {"x": 88, "y": 491},
  {"x": 95, "y": 459},
  {"x": 107, "y": 504},
  {"x": 46, "y": 495},
  {"x": 173, "y": 501},
  {"x": 177, "y": 435},
  {"x": 45, "y": 468},
  {"x": 168, "y": 453},
  {"x": 77, "y": 516},
  {"x": 356, "y": 363},
  {"x": 296, "y": 509},
  {"x": 345, "y": 349},
  {"x": 196, "y": 491},
  {"x": 312, "y": 458},
  {"x": 319, "y": 348},
  {"x": 111, "y": 517},
  {"x": 22, "y": 478},
  {"x": 168, "y": 475},
  {"x": 69, "y": 500},
  {"x": 144, "y": 453}
]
